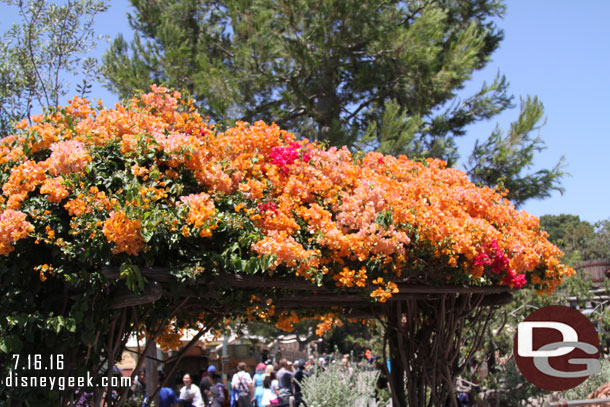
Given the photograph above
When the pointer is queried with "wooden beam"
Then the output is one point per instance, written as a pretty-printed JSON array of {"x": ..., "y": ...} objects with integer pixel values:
[
  {"x": 304, "y": 294},
  {"x": 299, "y": 284},
  {"x": 489, "y": 300},
  {"x": 493, "y": 300},
  {"x": 125, "y": 298},
  {"x": 161, "y": 275}
]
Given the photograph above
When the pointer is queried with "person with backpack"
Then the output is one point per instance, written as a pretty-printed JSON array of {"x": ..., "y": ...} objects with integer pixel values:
[
  {"x": 219, "y": 397},
  {"x": 242, "y": 383},
  {"x": 285, "y": 379}
]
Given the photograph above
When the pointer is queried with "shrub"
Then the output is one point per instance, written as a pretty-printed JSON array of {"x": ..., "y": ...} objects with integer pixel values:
[{"x": 337, "y": 386}]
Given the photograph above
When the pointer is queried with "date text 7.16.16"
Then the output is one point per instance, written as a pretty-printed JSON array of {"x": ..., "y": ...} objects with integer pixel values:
[{"x": 39, "y": 362}]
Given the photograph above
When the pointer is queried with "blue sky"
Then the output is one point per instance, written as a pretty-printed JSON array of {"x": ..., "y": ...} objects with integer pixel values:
[
  {"x": 560, "y": 51},
  {"x": 552, "y": 49}
]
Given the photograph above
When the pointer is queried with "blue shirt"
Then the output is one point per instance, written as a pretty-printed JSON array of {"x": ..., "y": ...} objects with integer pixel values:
[{"x": 167, "y": 397}]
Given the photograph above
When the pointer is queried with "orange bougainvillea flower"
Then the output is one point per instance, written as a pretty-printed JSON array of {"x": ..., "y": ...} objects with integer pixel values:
[
  {"x": 287, "y": 320},
  {"x": 323, "y": 214},
  {"x": 67, "y": 157},
  {"x": 328, "y": 321},
  {"x": 124, "y": 233},
  {"x": 23, "y": 179},
  {"x": 55, "y": 189},
  {"x": 201, "y": 209},
  {"x": 13, "y": 227}
]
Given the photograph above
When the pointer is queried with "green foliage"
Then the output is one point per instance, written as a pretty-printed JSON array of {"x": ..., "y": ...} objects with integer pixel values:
[
  {"x": 505, "y": 381},
  {"x": 599, "y": 246},
  {"x": 39, "y": 52},
  {"x": 354, "y": 338},
  {"x": 503, "y": 158},
  {"x": 337, "y": 386},
  {"x": 327, "y": 70},
  {"x": 133, "y": 278},
  {"x": 582, "y": 391},
  {"x": 370, "y": 75},
  {"x": 579, "y": 240},
  {"x": 570, "y": 234},
  {"x": 50, "y": 318},
  {"x": 510, "y": 378}
]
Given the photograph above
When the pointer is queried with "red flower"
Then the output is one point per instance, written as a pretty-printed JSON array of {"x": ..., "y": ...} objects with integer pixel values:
[
  {"x": 482, "y": 260},
  {"x": 267, "y": 206},
  {"x": 285, "y": 156}
]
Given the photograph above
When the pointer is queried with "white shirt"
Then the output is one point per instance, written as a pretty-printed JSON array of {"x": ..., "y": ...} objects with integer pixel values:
[
  {"x": 192, "y": 394},
  {"x": 275, "y": 386},
  {"x": 268, "y": 395},
  {"x": 241, "y": 381}
]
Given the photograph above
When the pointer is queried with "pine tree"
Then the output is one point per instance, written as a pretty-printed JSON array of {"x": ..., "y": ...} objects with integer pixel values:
[{"x": 371, "y": 74}]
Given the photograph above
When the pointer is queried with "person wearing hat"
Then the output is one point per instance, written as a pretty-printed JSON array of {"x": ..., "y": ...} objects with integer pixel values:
[
  {"x": 258, "y": 384},
  {"x": 208, "y": 389}
]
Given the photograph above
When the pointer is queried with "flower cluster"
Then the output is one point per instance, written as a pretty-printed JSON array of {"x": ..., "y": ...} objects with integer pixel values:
[
  {"x": 67, "y": 157},
  {"x": 327, "y": 322},
  {"x": 152, "y": 181},
  {"x": 23, "y": 179},
  {"x": 55, "y": 189},
  {"x": 494, "y": 258},
  {"x": 267, "y": 206},
  {"x": 286, "y": 321},
  {"x": 201, "y": 209},
  {"x": 285, "y": 156},
  {"x": 260, "y": 309},
  {"x": 44, "y": 270},
  {"x": 124, "y": 233},
  {"x": 385, "y": 291},
  {"x": 13, "y": 227},
  {"x": 349, "y": 278},
  {"x": 170, "y": 338}
]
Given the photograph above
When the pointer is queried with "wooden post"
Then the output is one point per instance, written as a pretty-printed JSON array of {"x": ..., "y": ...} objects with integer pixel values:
[
  {"x": 396, "y": 376},
  {"x": 152, "y": 378}
]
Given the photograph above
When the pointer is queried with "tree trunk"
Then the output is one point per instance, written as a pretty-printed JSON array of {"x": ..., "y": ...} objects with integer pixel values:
[
  {"x": 152, "y": 378},
  {"x": 425, "y": 338},
  {"x": 397, "y": 377}
]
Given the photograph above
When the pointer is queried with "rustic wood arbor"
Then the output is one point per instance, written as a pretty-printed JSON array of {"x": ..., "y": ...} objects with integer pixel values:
[{"x": 425, "y": 325}]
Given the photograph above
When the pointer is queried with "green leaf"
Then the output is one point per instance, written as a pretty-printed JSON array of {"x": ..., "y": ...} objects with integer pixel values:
[
  {"x": 132, "y": 276},
  {"x": 147, "y": 233},
  {"x": 384, "y": 219},
  {"x": 10, "y": 344}
]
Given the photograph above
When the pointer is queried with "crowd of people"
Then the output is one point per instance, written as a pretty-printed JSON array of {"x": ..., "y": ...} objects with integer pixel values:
[{"x": 272, "y": 384}]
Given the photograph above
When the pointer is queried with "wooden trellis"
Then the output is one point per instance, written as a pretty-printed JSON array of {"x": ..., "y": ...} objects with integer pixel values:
[
  {"x": 424, "y": 323},
  {"x": 298, "y": 292}
]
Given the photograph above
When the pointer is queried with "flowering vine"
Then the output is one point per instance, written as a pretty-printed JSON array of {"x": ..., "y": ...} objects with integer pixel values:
[{"x": 154, "y": 183}]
